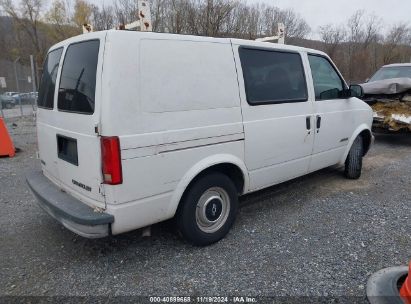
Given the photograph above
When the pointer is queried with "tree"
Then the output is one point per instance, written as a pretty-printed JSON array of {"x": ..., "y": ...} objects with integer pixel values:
[
  {"x": 225, "y": 18},
  {"x": 57, "y": 16},
  {"x": 363, "y": 34},
  {"x": 125, "y": 11},
  {"x": 103, "y": 18},
  {"x": 82, "y": 13},
  {"x": 333, "y": 38},
  {"x": 27, "y": 19},
  {"x": 3, "y": 39},
  {"x": 295, "y": 26},
  {"x": 394, "y": 44}
]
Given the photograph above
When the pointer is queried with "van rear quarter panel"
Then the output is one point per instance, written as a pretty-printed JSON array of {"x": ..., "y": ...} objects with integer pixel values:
[{"x": 173, "y": 102}]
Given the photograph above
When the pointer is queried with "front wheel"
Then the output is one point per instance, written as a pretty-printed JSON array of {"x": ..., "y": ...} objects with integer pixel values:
[
  {"x": 353, "y": 163},
  {"x": 208, "y": 209}
]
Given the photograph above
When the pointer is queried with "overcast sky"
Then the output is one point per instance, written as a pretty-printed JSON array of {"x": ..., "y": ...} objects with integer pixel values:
[{"x": 321, "y": 12}]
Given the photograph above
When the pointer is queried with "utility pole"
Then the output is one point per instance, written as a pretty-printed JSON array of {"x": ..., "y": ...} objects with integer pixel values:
[{"x": 17, "y": 84}]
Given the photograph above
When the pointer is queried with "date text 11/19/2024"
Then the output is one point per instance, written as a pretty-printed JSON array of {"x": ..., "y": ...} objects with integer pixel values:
[{"x": 236, "y": 299}]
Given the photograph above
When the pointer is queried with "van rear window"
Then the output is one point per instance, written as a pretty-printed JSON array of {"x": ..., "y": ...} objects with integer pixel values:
[
  {"x": 78, "y": 78},
  {"x": 48, "y": 79}
]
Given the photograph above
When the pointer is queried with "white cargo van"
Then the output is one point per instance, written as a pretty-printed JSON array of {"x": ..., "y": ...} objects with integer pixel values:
[{"x": 136, "y": 128}]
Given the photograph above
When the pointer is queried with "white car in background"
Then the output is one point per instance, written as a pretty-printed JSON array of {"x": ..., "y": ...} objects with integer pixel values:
[
  {"x": 7, "y": 102},
  {"x": 11, "y": 94}
]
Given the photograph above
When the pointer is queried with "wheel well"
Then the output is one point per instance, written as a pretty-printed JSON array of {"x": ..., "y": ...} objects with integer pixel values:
[
  {"x": 366, "y": 135},
  {"x": 232, "y": 171}
]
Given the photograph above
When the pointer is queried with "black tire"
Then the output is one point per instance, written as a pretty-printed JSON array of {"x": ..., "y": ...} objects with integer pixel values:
[
  {"x": 353, "y": 163},
  {"x": 8, "y": 105},
  {"x": 383, "y": 286},
  {"x": 205, "y": 203}
]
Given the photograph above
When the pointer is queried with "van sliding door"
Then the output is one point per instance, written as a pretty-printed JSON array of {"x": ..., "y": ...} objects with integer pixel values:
[{"x": 277, "y": 114}]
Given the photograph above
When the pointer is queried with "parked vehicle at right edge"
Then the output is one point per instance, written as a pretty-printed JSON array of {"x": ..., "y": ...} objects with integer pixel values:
[
  {"x": 388, "y": 92},
  {"x": 136, "y": 128}
]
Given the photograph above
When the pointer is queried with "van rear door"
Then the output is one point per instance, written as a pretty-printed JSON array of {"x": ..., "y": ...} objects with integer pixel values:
[
  {"x": 45, "y": 114},
  {"x": 67, "y": 133}
]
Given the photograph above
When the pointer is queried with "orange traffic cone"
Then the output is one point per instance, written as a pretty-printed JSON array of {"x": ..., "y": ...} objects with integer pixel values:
[
  {"x": 405, "y": 290},
  {"x": 6, "y": 144}
]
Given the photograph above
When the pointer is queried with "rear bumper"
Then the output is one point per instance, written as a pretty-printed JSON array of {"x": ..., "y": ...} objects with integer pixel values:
[{"x": 70, "y": 212}]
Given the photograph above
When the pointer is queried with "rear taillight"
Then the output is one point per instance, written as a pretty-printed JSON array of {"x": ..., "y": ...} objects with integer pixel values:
[{"x": 111, "y": 160}]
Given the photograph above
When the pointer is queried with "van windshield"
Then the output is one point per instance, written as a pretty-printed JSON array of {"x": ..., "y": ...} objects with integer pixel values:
[
  {"x": 78, "y": 78},
  {"x": 48, "y": 79}
]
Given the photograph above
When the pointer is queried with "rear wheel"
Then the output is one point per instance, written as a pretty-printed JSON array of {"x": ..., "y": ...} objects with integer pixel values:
[
  {"x": 353, "y": 163},
  {"x": 208, "y": 209}
]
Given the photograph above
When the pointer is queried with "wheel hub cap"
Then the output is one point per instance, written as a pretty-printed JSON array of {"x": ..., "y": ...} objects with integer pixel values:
[{"x": 212, "y": 210}]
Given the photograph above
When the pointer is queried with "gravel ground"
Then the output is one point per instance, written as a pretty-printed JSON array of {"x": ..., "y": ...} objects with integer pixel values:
[{"x": 319, "y": 236}]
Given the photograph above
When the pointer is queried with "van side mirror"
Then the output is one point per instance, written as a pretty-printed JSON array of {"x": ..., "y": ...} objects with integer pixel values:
[{"x": 356, "y": 91}]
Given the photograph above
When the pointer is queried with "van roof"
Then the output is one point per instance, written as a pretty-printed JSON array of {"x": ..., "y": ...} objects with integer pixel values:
[{"x": 102, "y": 34}]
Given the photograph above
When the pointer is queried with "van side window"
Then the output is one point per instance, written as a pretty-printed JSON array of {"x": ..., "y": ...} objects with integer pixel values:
[
  {"x": 273, "y": 76},
  {"x": 78, "y": 78},
  {"x": 327, "y": 82},
  {"x": 48, "y": 79}
]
